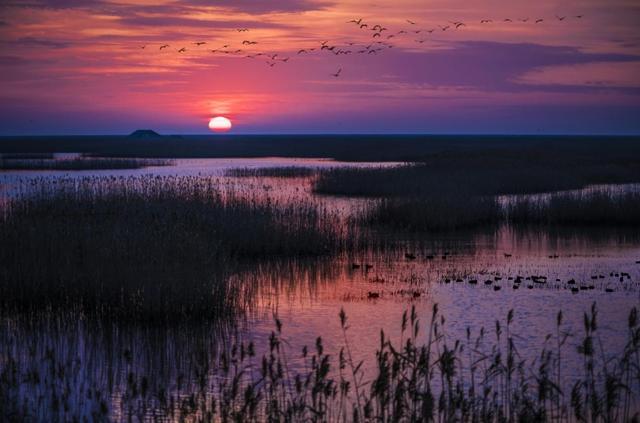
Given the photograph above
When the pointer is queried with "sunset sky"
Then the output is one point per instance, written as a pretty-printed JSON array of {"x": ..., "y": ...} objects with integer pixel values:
[{"x": 78, "y": 66}]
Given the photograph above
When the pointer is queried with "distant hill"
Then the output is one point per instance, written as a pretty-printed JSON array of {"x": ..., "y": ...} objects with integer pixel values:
[{"x": 144, "y": 133}]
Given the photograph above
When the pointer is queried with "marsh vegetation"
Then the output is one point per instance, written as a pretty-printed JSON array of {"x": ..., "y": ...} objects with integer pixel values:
[
  {"x": 146, "y": 247},
  {"x": 27, "y": 162},
  {"x": 424, "y": 375},
  {"x": 272, "y": 172},
  {"x": 127, "y": 298}
]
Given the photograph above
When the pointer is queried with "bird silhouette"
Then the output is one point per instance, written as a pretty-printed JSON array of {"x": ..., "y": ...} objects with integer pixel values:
[
  {"x": 164, "y": 46},
  {"x": 524, "y": 20},
  {"x": 578, "y": 16},
  {"x": 271, "y": 64},
  {"x": 444, "y": 28},
  {"x": 459, "y": 24},
  {"x": 539, "y": 20},
  {"x": 411, "y": 22},
  {"x": 561, "y": 18},
  {"x": 337, "y": 74},
  {"x": 486, "y": 21},
  {"x": 302, "y": 51},
  {"x": 182, "y": 50},
  {"x": 364, "y": 26},
  {"x": 143, "y": 47},
  {"x": 508, "y": 20},
  {"x": 248, "y": 43},
  {"x": 357, "y": 22},
  {"x": 377, "y": 34},
  {"x": 242, "y": 29},
  {"x": 199, "y": 43}
]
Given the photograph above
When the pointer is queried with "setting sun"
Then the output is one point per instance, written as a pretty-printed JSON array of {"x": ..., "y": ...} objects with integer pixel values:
[{"x": 220, "y": 124}]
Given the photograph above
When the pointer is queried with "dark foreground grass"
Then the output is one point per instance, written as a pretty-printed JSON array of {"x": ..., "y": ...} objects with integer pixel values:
[
  {"x": 158, "y": 248},
  {"x": 482, "y": 378},
  {"x": 272, "y": 172},
  {"x": 93, "y": 163}
]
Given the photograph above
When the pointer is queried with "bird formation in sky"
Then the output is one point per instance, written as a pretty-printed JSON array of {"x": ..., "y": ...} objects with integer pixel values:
[{"x": 380, "y": 40}]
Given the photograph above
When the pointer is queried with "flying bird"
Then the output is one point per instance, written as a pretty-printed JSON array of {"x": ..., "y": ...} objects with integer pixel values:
[
  {"x": 486, "y": 21},
  {"x": 411, "y": 22},
  {"x": 242, "y": 29},
  {"x": 459, "y": 24},
  {"x": 248, "y": 43},
  {"x": 143, "y": 47},
  {"x": 337, "y": 74},
  {"x": 539, "y": 21},
  {"x": 508, "y": 20},
  {"x": 357, "y": 22},
  {"x": 182, "y": 50},
  {"x": 364, "y": 26},
  {"x": 578, "y": 16},
  {"x": 561, "y": 18},
  {"x": 444, "y": 28},
  {"x": 199, "y": 43},
  {"x": 302, "y": 51},
  {"x": 524, "y": 20},
  {"x": 164, "y": 46},
  {"x": 377, "y": 34}
]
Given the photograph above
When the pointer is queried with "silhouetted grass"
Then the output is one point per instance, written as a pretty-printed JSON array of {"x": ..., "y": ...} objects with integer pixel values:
[
  {"x": 26, "y": 156},
  {"x": 583, "y": 209},
  {"x": 488, "y": 172},
  {"x": 143, "y": 247},
  {"x": 272, "y": 172},
  {"x": 85, "y": 163},
  {"x": 435, "y": 213},
  {"x": 424, "y": 377},
  {"x": 453, "y": 211}
]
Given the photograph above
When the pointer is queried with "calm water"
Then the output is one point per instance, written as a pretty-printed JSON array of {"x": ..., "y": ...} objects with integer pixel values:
[{"x": 307, "y": 296}]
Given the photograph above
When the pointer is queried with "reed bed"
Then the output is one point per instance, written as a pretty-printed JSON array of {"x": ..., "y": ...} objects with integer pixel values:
[
  {"x": 144, "y": 247},
  {"x": 455, "y": 210},
  {"x": 26, "y": 156},
  {"x": 479, "y": 174},
  {"x": 580, "y": 209},
  {"x": 444, "y": 213},
  {"x": 425, "y": 376},
  {"x": 84, "y": 163},
  {"x": 272, "y": 172}
]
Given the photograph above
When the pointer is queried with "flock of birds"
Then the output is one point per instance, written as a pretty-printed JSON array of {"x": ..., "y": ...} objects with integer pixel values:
[{"x": 380, "y": 40}]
